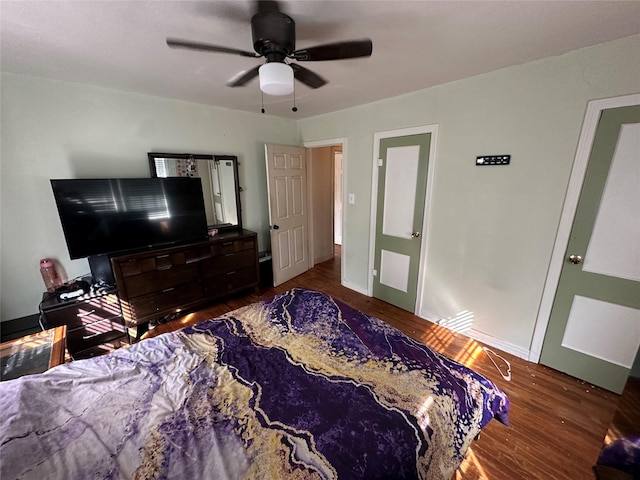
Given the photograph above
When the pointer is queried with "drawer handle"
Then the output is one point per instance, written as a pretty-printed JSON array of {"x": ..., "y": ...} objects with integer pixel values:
[
  {"x": 197, "y": 259},
  {"x": 227, "y": 243},
  {"x": 162, "y": 256},
  {"x": 229, "y": 254},
  {"x": 231, "y": 273},
  {"x": 168, "y": 267},
  {"x": 86, "y": 314},
  {"x": 166, "y": 290},
  {"x": 110, "y": 319},
  {"x": 87, "y": 337}
]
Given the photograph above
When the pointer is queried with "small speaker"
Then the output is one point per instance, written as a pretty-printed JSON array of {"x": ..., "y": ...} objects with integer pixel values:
[{"x": 101, "y": 270}]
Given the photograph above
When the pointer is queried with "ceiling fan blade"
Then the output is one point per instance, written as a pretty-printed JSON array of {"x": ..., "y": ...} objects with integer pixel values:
[
  {"x": 176, "y": 43},
  {"x": 244, "y": 77},
  {"x": 335, "y": 51},
  {"x": 306, "y": 76}
]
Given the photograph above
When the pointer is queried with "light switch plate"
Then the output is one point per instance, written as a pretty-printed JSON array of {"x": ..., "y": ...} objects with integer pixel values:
[{"x": 352, "y": 198}]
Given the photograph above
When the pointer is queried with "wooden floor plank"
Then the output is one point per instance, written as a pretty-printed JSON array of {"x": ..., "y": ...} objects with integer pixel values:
[{"x": 558, "y": 423}]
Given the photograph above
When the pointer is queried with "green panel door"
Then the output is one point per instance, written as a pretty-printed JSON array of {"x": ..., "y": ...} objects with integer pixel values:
[
  {"x": 402, "y": 183},
  {"x": 594, "y": 327}
]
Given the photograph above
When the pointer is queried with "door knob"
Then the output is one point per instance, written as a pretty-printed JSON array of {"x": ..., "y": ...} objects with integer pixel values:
[
  {"x": 415, "y": 235},
  {"x": 575, "y": 259},
  {"x": 276, "y": 227}
]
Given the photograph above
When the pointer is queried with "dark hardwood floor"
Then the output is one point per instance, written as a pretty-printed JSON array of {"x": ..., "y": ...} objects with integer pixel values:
[{"x": 558, "y": 423}]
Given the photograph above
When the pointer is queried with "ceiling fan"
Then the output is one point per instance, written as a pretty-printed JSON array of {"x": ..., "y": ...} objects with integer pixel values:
[{"x": 274, "y": 38}]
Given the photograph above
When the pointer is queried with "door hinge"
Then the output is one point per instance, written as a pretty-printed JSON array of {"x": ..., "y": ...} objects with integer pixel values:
[
  {"x": 374, "y": 272},
  {"x": 380, "y": 162}
]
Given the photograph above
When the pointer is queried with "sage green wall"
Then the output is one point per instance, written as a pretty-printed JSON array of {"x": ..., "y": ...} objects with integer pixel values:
[
  {"x": 491, "y": 229},
  {"x": 54, "y": 129}
]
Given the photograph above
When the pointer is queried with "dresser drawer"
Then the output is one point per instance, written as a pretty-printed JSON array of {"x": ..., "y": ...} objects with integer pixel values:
[
  {"x": 160, "y": 280},
  {"x": 232, "y": 246},
  {"x": 151, "y": 263},
  {"x": 234, "y": 280},
  {"x": 228, "y": 263},
  {"x": 161, "y": 303},
  {"x": 76, "y": 315},
  {"x": 94, "y": 334},
  {"x": 197, "y": 254}
]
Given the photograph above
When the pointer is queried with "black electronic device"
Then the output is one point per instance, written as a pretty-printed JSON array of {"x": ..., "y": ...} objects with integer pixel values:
[
  {"x": 72, "y": 289},
  {"x": 101, "y": 270},
  {"x": 103, "y": 216}
]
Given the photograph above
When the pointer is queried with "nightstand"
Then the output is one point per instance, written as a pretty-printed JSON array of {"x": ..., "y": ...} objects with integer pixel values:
[{"x": 94, "y": 322}]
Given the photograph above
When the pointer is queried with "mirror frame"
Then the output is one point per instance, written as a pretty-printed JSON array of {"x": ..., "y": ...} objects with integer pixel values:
[{"x": 214, "y": 158}]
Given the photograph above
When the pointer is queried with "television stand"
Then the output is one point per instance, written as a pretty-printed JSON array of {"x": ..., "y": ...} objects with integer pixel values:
[{"x": 162, "y": 282}]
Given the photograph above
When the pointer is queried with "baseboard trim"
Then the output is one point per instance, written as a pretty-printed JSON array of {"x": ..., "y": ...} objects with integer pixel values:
[
  {"x": 494, "y": 342},
  {"x": 19, "y": 327},
  {"x": 355, "y": 288},
  {"x": 479, "y": 336}
]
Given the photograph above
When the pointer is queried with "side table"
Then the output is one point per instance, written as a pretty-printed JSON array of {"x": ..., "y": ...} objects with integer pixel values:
[
  {"x": 94, "y": 322},
  {"x": 35, "y": 353}
]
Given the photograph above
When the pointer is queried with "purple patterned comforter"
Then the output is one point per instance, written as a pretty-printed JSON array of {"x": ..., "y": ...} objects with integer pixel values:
[{"x": 298, "y": 386}]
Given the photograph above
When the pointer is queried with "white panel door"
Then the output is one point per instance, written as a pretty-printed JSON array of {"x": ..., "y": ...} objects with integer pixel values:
[
  {"x": 337, "y": 202},
  {"x": 286, "y": 181}
]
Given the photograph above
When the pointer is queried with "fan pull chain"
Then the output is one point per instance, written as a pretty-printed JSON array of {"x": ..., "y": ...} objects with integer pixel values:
[
  {"x": 294, "y": 109},
  {"x": 262, "y": 101}
]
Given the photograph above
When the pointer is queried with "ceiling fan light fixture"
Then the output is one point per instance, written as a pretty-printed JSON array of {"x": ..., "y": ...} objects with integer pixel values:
[{"x": 276, "y": 78}]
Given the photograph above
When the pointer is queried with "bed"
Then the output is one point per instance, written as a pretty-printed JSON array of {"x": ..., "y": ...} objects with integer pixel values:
[{"x": 298, "y": 386}]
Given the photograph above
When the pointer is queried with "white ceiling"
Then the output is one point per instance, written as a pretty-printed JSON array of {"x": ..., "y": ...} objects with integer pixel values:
[{"x": 416, "y": 44}]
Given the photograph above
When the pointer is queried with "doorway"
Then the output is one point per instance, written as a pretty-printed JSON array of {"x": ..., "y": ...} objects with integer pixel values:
[
  {"x": 323, "y": 202},
  {"x": 326, "y": 198}
]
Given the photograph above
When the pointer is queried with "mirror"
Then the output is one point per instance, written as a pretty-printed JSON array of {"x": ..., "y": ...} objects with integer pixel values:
[{"x": 219, "y": 176}]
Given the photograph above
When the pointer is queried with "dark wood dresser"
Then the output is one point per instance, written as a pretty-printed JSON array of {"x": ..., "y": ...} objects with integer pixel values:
[{"x": 158, "y": 283}]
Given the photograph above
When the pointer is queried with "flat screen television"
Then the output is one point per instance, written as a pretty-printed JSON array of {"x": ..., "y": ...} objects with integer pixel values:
[{"x": 104, "y": 216}]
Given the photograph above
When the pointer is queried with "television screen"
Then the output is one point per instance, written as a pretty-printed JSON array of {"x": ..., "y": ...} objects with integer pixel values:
[{"x": 101, "y": 216}]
